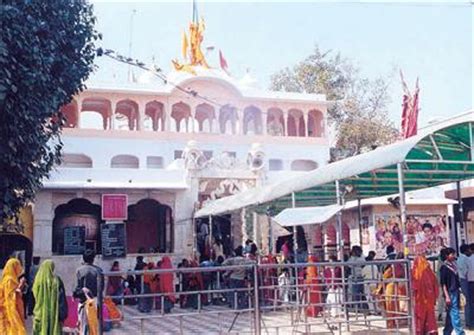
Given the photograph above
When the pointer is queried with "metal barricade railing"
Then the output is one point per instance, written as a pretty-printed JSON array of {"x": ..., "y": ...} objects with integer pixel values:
[{"x": 275, "y": 298}]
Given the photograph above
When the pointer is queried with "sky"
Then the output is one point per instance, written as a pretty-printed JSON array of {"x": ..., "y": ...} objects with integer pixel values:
[{"x": 429, "y": 40}]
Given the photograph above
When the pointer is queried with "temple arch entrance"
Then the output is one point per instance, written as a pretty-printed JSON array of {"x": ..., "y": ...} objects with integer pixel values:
[
  {"x": 149, "y": 227},
  {"x": 78, "y": 212}
]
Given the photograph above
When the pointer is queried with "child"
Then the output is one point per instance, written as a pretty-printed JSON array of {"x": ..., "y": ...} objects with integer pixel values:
[{"x": 283, "y": 285}]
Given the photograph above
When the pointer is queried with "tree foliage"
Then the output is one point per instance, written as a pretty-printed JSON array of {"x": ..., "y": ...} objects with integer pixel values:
[
  {"x": 47, "y": 49},
  {"x": 360, "y": 113}
]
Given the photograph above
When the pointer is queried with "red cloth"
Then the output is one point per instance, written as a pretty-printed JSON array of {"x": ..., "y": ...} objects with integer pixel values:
[
  {"x": 425, "y": 291},
  {"x": 410, "y": 110},
  {"x": 166, "y": 279},
  {"x": 72, "y": 316},
  {"x": 223, "y": 62},
  {"x": 269, "y": 278},
  {"x": 315, "y": 288}
]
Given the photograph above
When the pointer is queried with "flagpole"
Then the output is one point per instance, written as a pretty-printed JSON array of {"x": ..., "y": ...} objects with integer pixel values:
[{"x": 130, "y": 75}]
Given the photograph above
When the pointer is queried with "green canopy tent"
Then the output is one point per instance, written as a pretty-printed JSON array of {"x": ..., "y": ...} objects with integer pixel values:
[{"x": 440, "y": 154}]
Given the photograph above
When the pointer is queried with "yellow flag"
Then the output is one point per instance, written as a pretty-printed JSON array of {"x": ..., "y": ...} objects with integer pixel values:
[{"x": 184, "y": 46}]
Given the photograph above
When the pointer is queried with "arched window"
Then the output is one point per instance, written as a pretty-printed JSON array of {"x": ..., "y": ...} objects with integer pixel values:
[
  {"x": 252, "y": 123},
  {"x": 154, "y": 162},
  {"x": 154, "y": 116},
  {"x": 91, "y": 120},
  {"x": 78, "y": 212},
  {"x": 126, "y": 115},
  {"x": 228, "y": 120},
  {"x": 181, "y": 114},
  {"x": 124, "y": 162},
  {"x": 149, "y": 227},
  {"x": 205, "y": 117},
  {"x": 95, "y": 113},
  {"x": 275, "y": 164},
  {"x": 76, "y": 161},
  {"x": 70, "y": 112},
  {"x": 275, "y": 122},
  {"x": 315, "y": 123},
  {"x": 303, "y": 165}
]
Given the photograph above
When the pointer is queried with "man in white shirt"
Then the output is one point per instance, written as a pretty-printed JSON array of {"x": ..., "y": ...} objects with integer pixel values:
[{"x": 463, "y": 271}]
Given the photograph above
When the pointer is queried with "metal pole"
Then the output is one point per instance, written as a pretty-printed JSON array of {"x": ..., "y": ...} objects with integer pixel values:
[
  {"x": 340, "y": 240},
  {"x": 255, "y": 230},
  {"x": 340, "y": 245},
  {"x": 411, "y": 298},
  {"x": 256, "y": 300},
  {"x": 295, "y": 251},
  {"x": 210, "y": 235},
  {"x": 100, "y": 279},
  {"x": 460, "y": 215},
  {"x": 359, "y": 217},
  {"x": 403, "y": 209},
  {"x": 295, "y": 241},
  {"x": 270, "y": 235},
  {"x": 193, "y": 226}
]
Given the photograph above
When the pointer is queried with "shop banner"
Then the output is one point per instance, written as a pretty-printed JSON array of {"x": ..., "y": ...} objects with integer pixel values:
[{"x": 114, "y": 207}]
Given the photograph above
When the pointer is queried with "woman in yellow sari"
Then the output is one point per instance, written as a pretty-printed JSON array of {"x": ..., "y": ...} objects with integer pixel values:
[
  {"x": 392, "y": 295},
  {"x": 12, "y": 318}
]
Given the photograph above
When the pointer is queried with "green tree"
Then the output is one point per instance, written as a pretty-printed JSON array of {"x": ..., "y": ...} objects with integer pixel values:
[
  {"x": 47, "y": 49},
  {"x": 359, "y": 114}
]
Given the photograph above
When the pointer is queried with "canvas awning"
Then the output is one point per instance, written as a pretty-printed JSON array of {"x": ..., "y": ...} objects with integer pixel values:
[
  {"x": 440, "y": 154},
  {"x": 278, "y": 230},
  {"x": 291, "y": 217}
]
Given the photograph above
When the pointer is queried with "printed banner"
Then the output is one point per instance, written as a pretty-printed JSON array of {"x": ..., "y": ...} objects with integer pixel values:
[{"x": 425, "y": 234}]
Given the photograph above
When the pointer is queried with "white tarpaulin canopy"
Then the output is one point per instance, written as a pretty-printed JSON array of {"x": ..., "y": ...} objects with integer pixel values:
[
  {"x": 440, "y": 154},
  {"x": 278, "y": 230},
  {"x": 306, "y": 215}
]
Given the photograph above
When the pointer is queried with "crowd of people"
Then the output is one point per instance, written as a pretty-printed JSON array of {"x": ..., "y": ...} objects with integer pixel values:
[{"x": 320, "y": 287}]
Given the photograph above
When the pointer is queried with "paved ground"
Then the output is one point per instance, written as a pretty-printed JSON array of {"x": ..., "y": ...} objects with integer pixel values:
[{"x": 219, "y": 320}]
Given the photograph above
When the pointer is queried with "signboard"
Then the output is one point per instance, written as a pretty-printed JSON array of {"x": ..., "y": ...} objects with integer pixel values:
[
  {"x": 74, "y": 240},
  {"x": 113, "y": 240},
  {"x": 114, "y": 207}
]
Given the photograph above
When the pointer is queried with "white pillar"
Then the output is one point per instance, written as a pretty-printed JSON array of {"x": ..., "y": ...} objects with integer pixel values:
[
  {"x": 264, "y": 122},
  {"x": 285, "y": 122},
  {"x": 79, "y": 109},
  {"x": 141, "y": 115},
  {"x": 113, "y": 104},
  {"x": 306, "y": 122}
]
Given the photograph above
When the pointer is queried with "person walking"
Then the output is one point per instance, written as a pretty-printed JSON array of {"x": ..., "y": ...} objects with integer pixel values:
[
  {"x": 51, "y": 305},
  {"x": 12, "y": 317},
  {"x": 450, "y": 285},
  {"x": 470, "y": 291},
  {"x": 357, "y": 280},
  {"x": 89, "y": 277},
  {"x": 425, "y": 291},
  {"x": 463, "y": 271},
  {"x": 237, "y": 278}
]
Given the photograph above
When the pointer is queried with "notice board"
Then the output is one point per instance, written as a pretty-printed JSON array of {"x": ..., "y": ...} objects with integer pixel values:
[
  {"x": 113, "y": 240},
  {"x": 74, "y": 240}
]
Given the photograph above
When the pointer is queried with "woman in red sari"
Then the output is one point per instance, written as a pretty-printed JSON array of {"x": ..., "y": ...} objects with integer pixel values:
[
  {"x": 425, "y": 292},
  {"x": 166, "y": 282},
  {"x": 314, "y": 287},
  {"x": 269, "y": 277}
]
